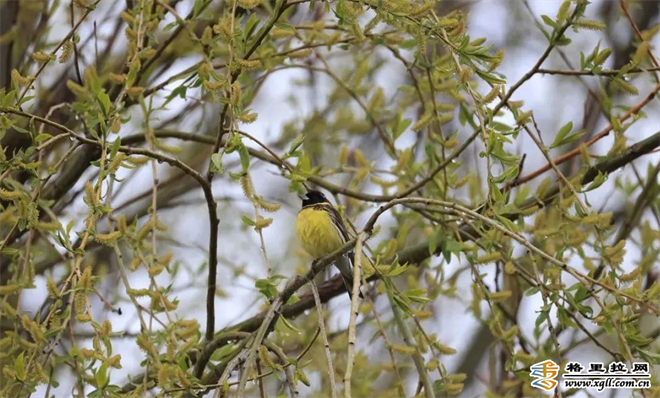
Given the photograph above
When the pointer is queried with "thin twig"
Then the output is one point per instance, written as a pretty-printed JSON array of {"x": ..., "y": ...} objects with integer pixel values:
[
  {"x": 355, "y": 297},
  {"x": 326, "y": 344}
]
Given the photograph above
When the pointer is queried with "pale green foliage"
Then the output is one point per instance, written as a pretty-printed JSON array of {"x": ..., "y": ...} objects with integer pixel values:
[{"x": 477, "y": 228}]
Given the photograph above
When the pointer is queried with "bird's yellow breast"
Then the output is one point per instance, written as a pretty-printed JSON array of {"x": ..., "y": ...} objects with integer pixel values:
[{"x": 317, "y": 232}]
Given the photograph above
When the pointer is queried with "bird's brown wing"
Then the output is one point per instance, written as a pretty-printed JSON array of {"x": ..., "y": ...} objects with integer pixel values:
[
  {"x": 343, "y": 264},
  {"x": 336, "y": 220}
]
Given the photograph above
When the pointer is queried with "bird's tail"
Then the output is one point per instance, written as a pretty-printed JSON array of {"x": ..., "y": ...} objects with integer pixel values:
[{"x": 345, "y": 267}]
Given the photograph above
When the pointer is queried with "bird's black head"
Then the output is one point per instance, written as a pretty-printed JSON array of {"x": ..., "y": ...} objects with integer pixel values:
[{"x": 313, "y": 197}]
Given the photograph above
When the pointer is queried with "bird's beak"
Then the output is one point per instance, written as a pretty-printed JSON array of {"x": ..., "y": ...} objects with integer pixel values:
[{"x": 303, "y": 197}]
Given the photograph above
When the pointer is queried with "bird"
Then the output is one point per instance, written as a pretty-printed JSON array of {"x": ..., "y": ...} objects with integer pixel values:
[{"x": 321, "y": 231}]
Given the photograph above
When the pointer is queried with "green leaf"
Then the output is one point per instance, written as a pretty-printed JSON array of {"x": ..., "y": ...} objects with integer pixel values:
[
  {"x": 101, "y": 376},
  {"x": 417, "y": 295},
  {"x": 495, "y": 192},
  {"x": 563, "y": 138},
  {"x": 598, "y": 181},
  {"x": 115, "y": 147},
  {"x": 179, "y": 91},
  {"x": 216, "y": 161},
  {"x": 638, "y": 340},
  {"x": 401, "y": 126},
  {"x": 282, "y": 321},
  {"x": 295, "y": 145},
  {"x": 248, "y": 221},
  {"x": 104, "y": 101},
  {"x": 19, "y": 367},
  {"x": 510, "y": 225},
  {"x": 578, "y": 210},
  {"x": 548, "y": 21},
  {"x": 197, "y": 8},
  {"x": 396, "y": 269},
  {"x": 565, "y": 129},
  {"x": 302, "y": 377},
  {"x": 285, "y": 26},
  {"x": 266, "y": 287},
  {"x": 649, "y": 356},
  {"x": 489, "y": 77},
  {"x": 42, "y": 137},
  {"x": 509, "y": 174},
  {"x": 433, "y": 244},
  {"x": 7, "y": 99},
  {"x": 250, "y": 24},
  {"x": 564, "y": 317},
  {"x": 245, "y": 157}
]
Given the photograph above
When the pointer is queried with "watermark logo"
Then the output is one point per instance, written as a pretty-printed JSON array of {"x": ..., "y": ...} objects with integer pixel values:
[
  {"x": 545, "y": 373},
  {"x": 598, "y": 376}
]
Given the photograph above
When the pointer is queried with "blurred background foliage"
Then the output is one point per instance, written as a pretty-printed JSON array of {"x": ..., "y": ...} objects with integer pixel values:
[{"x": 495, "y": 160}]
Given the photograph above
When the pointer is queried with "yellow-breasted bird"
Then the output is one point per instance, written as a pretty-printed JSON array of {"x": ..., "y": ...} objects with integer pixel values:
[{"x": 322, "y": 231}]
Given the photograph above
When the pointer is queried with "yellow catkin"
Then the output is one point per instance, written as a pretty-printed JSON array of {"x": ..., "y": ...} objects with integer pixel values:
[
  {"x": 165, "y": 260},
  {"x": 602, "y": 56},
  {"x": 128, "y": 18},
  {"x": 90, "y": 195},
  {"x": 454, "y": 388},
  {"x": 114, "y": 361},
  {"x": 465, "y": 74},
  {"x": 443, "y": 349},
  {"x": 85, "y": 281},
  {"x": 87, "y": 353},
  {"x": 41, "y": 57},
  {"x": 212, "y": 86},
  {"x": 10, "y": 195},
  {"x": 278, "y": 33},
  {"x": 48, "y": 226},
  {"x": 562, "y": 13},
  {"x": 248, "y": 117},
  {"x": 246, "y": 186},
  {"x": 146, "y": 228},
  {"x": 51, "y": 286},
  {"x": 263, "y": 223},
  {"x": 80, "y": 303},
  {"x": 109, "y": 238},
  {"x": 510, "y": 334},
  {"x": 135, "y": 91},
  {"x": 589, "y": 24},
  {"x": 83, "y": 318},
  {"x": 135, "y": 263},
  {"x": 456, "y": 378},
  {"x": 33, "y": 328},
  {"x": 7, "y": 309},
  {"x": 116, "y": 162},
  {"x": 249, "y": 63},
  {"x": 137, "y": 160},
  {"x": 121, "y": 224},
  {"x": 267, "y": 206},
  {"x": 403, "y": 349},
  {"x": 16, "y": 77},
  {"x": 265, "y": 358},
  {"x": 249, "y": 4},
  {"x": 304, "y": 53},
  {"x": 499, "y": 296},
  {"x": 155, "y": 270},
  {"x": 118, "y": 79},
  {"x": 624, "y": 86},
  {"x": 489, "y": 258},
  {"x": 67, "y": 50},
  {"x": 235, "y": 96},
  {"x": 492, "y": 94}
]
